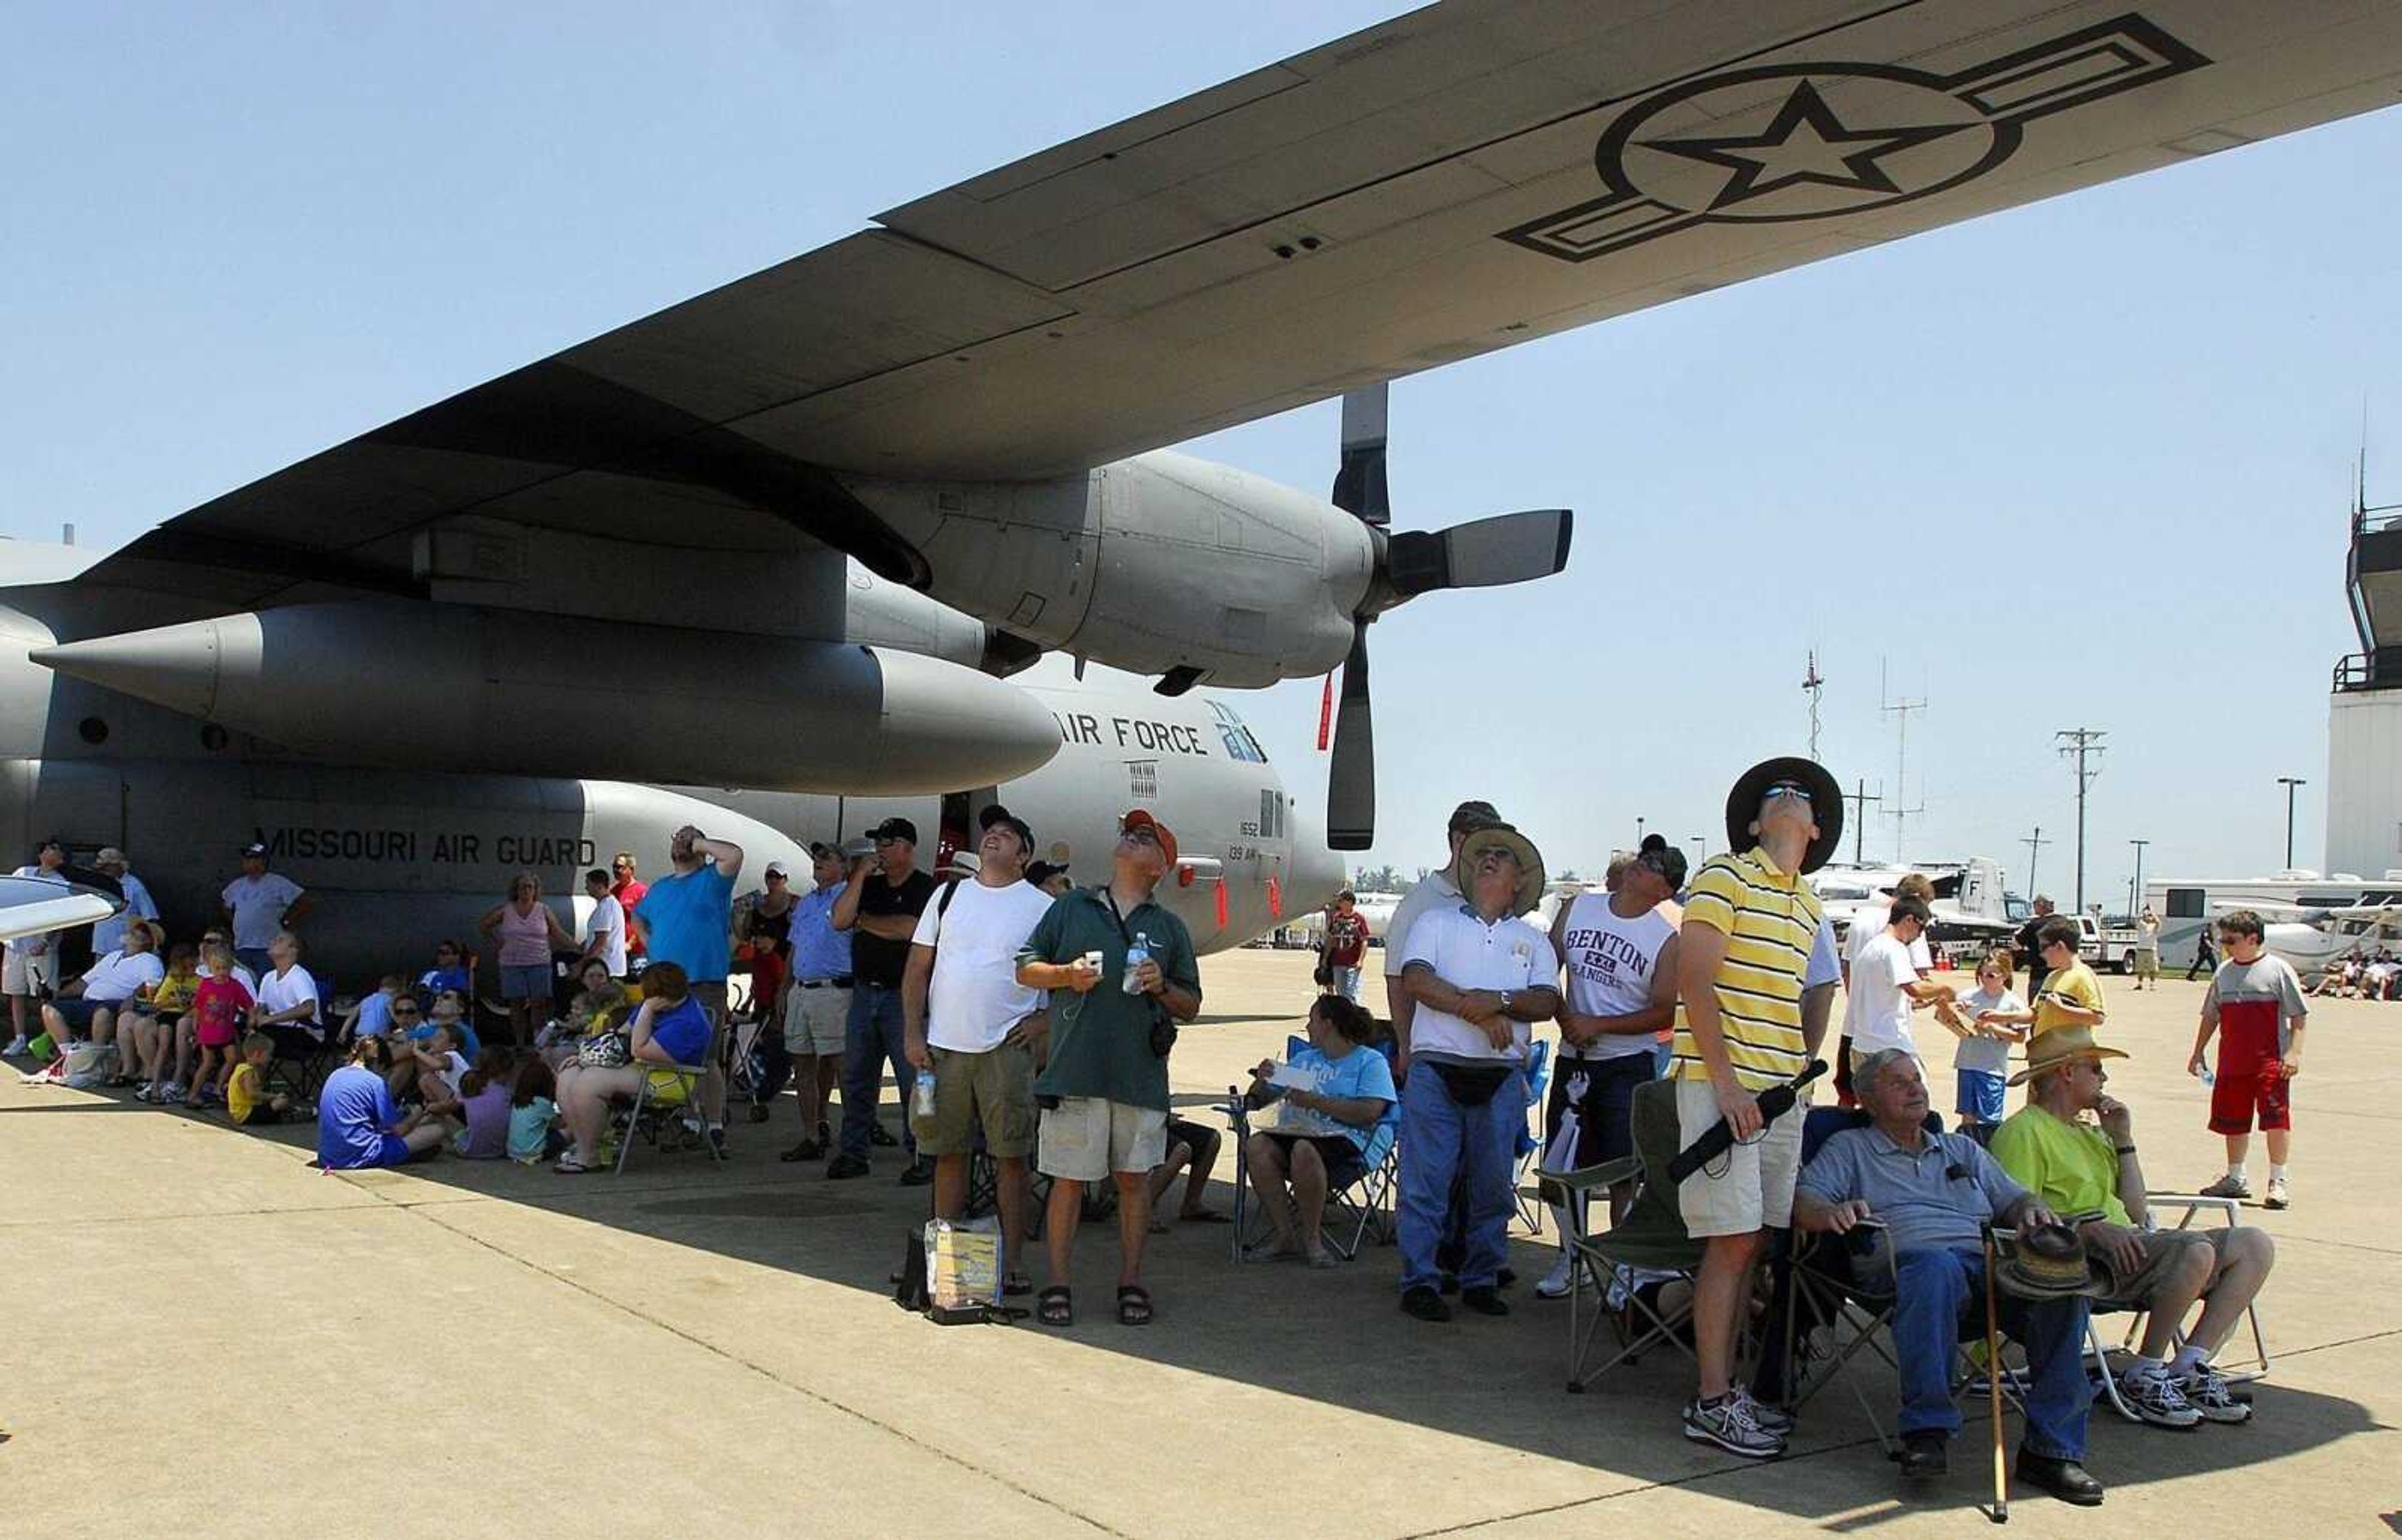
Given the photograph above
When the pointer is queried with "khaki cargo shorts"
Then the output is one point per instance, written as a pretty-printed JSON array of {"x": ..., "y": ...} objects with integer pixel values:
[
  {"x": 815, "y": 1020},
  {"x": 994, "y": 1089},
  {"x": 1086, "y": 1138}
]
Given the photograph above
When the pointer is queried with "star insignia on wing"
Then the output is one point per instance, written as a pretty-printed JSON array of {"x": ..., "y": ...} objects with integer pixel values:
[{"x": 1805, "y": 143}]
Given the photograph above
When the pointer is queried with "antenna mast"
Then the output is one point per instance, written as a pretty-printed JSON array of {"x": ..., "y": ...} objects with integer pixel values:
[
  {"x": 1814, "y": 686},
  {"x": 1900, "y": 710}
]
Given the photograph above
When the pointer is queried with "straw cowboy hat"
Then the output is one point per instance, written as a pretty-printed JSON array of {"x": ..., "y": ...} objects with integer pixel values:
[
  {"x": 2059, "y": 1046},
  {"x": 1826, "y": 805},
  {"x": 1530, "y": 863},
  {"x": 2051, "y": 1262}
]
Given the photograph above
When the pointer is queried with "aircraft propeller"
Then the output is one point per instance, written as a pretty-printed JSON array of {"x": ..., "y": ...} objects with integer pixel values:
[{"x": 1484, "y": 554}]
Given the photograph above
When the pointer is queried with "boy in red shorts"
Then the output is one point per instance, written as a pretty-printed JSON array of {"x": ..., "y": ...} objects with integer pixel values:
[{"x": 2255, "y": 1004}]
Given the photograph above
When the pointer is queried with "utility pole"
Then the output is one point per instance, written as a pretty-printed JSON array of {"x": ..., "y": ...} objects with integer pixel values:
[
  {"x": 1811, "y": 685},
  {"x": 2035, "y": 844},
  {"x": 1638, "y": 833},
  {"x": 2291, "y": 784},
  {"x": 1900, "y": 710},
  {"x": 2082, "y": 747},
  {"x": 1860, "y": 799},
  {"x": 2136, "y": 888},
  {"x": 1700, "y": 844}
]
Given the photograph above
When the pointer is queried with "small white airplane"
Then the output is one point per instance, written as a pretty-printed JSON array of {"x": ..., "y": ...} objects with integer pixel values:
[{"x": 2311, "y": 939}]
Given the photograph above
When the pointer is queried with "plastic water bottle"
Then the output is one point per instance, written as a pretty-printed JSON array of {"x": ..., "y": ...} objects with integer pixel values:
[
  {"x": 1137, "y": 955},
  {"x": 2207, "y": 1078},
  {"x": 925, "y": 1093}
]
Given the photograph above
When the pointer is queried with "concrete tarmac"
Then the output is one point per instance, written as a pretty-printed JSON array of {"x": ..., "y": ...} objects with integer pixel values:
[{"x": 213, "y": 1338}]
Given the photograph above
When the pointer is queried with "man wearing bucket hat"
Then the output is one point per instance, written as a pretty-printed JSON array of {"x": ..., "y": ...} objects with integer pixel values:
[
  {"x": 2091, "y": 1169},
  {"x": 1743, "y": 951},
  {"x": 1480, "y": 975},
  {"x": 1932, "y": 1194},
  {"x": 109, "y": 934}
]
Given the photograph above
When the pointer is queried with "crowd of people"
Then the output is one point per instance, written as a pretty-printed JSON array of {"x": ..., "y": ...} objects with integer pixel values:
[
  {"x": 1029, "y": 1022},
  {"x": 2360, "y": 975}
]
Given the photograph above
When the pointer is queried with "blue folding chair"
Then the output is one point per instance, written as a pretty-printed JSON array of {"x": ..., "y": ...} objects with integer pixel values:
[{"x": 1530, "y": 1139}]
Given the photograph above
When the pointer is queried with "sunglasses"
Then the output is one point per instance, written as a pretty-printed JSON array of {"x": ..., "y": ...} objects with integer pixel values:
[
  {"x": 775, "y": 876},
  {"x": 889, "y": 839},
  {"x": 1141, "y": 831},
  {"x": 1785, "y": 789}
]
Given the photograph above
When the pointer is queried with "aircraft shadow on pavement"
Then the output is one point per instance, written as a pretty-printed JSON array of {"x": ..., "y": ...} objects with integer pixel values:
[{"x": 1332, "y": 1337}]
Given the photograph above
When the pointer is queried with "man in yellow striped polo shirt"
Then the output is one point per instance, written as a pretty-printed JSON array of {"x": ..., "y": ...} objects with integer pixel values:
[{"x": 1750, "y": 920}]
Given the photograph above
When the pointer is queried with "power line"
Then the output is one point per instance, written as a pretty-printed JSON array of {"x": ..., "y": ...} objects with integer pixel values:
[{"x": 2082, "y": 747}]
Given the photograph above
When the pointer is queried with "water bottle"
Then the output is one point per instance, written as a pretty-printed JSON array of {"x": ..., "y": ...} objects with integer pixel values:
[
  {"x": 2208, "y": 1079},
  {"x": 1137, "y": 955},
  {"x": 925, "y": 1093}
]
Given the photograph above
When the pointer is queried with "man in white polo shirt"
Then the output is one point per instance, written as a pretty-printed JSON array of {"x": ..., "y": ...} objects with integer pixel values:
[
  {"x": 1479, "y": 974},
  {"x": 1433, "y": 891}
]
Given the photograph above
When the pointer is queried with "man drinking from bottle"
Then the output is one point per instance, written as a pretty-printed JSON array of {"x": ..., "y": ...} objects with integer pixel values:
[{"x": 1744, "y": 954}]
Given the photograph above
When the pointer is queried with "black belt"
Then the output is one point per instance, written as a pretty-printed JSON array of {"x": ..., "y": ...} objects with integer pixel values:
[{"x": 842, "y": 983}]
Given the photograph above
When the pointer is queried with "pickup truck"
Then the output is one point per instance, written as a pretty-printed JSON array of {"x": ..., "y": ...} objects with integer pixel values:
[{"x": 2110, "y": 948}]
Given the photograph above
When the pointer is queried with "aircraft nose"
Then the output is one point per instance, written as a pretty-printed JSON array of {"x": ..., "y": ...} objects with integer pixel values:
[{"x": 1318, "y": 871}]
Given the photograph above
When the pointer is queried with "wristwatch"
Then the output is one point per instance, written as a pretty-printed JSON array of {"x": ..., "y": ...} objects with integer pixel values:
[
  {"x": 1505, "y": 1002},
  {"x": 2126, "y": 1149}
]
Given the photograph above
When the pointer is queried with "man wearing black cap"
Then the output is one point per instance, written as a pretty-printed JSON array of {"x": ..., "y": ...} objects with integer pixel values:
[
  {"x": 975, "y": 1028},
  {"x": 261, "y": 905},
  {"x": 1742, "y": 959},
  {"x": 879, "y": 910},
  {"x": 1620, "y": 952}
]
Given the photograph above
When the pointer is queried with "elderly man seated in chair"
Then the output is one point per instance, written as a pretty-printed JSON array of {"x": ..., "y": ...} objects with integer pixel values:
[{"x": 1930, "y": 1194}]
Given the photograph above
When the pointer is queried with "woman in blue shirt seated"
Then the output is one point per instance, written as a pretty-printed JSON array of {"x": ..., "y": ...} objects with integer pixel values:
[
  {"x": 358, "y": 1125},
  {"x": 1320, "y": 1143},
  {"x": 671, "y": 1028}
]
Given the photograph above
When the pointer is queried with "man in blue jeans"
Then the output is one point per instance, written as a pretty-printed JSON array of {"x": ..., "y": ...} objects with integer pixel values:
[
  {"x": 1480, "y": 974},
  {"x": 1931, "y": 1194},
  {"x": 879, "y": 909}
]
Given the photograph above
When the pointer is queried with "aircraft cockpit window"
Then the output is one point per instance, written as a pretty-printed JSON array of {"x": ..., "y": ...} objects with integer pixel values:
[{"x": 1241, "y": 745}]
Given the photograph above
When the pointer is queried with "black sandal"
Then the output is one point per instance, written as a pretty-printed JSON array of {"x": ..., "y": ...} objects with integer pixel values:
[
  {"x": 1055, "y": 1306},
  {"x": 1134, "y": 1306}
]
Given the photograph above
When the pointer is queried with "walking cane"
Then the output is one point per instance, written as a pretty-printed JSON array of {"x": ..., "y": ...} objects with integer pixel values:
[{"x": 2001, "y": 1510}]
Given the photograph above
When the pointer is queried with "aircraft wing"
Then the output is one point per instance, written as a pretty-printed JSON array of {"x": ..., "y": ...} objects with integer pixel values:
[
  {"x": 1471, "y": 176},
  {"x": 28, "y": 906}
]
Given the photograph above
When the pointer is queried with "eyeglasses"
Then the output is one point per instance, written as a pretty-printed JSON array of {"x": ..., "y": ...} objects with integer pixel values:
[
  {"x": 1140, "y": 832},
  {"x": 775, "y": 876},
  {"x": 888, "y": 839},
  {"x": 1783, "y": 789}
]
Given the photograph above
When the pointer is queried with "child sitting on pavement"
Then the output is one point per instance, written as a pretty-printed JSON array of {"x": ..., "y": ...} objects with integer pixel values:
[
  {"x": 533, "y": 1109},
  {"x": 248, "y": 1102},
  {"x": 483, "y": 1107}
]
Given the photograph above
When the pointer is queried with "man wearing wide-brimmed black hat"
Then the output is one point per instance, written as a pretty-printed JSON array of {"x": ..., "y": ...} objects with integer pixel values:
[{"x": 1743, "y": 962}]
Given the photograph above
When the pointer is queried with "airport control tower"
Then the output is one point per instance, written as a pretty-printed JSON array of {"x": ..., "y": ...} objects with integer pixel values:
[{"x": 2363, "y": 830}]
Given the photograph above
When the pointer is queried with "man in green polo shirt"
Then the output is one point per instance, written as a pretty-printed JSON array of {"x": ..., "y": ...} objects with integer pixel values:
[{"x": 1105, "y": 1088}]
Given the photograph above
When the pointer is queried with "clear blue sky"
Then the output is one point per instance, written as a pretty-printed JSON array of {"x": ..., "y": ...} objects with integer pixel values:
[{"x": 2086, "y": 463}]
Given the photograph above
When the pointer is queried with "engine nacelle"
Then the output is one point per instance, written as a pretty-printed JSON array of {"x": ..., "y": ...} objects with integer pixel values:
[
  {"x": 436, "y": 687},
  {"x": 1151, "y": 564}
]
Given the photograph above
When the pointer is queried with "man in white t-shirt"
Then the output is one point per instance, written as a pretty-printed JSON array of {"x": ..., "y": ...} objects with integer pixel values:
[
  {"x": 1886, "y": 988},
  {"x": 260, "y": 905},
  {"x": 967, "y": 1020},
  {"x": 1868, "y": 921},
  {"x": 1481, "y": 976},
  {"x": 31, "y": 965},
  {"x": 604, "y": 933},
  {"x": 286, "y": 1009},
  {"x": 89, "y": 1004}
]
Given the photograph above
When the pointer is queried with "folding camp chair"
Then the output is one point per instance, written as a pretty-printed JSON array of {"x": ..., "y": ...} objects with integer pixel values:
[
  {"x": 665, "y": 1096},
  {"x": 1530, "y": 1139},
  {"x": 1650, "y": 1238},
  {"x": 1362, "y": 1208}
]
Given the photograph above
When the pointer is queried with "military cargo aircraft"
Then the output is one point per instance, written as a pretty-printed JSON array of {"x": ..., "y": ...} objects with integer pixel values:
[{"x": 600, "y": 563}]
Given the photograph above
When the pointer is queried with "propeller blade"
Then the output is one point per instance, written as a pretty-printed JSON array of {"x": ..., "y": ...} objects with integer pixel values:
[
  {"x": 1359, "y": 485},
  {"x": 1486, "y": 554},
  {"x": 1351, "y": 777}
]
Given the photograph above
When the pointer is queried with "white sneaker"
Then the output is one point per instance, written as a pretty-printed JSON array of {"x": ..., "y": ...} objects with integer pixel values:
[
  {"x": 2206, "y": 1391},
  {"x": 1555, "y": 1285},
  {"x": 18, "y": 1047},
  {"x": 2277, "y": 1196},
  {"x": 2158, "y": 1399},
  {"x": 1730, "y": 1427}
]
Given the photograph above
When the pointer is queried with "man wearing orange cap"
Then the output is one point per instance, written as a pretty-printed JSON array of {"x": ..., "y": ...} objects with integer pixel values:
[{"x": 1122, "y": 971}]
